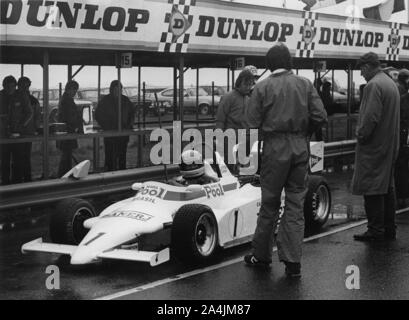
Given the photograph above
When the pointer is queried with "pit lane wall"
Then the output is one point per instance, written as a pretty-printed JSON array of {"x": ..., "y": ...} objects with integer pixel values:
[{"x": 196, "y": 26}]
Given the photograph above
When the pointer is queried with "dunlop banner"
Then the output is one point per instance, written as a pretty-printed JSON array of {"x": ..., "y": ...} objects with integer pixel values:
[{"x": 196, "y": 26}]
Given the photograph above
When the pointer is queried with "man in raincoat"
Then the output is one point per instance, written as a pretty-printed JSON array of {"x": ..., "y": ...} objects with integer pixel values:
[
  {"x": 286, "y": 108},
  {"x": 377, "y": 150}
]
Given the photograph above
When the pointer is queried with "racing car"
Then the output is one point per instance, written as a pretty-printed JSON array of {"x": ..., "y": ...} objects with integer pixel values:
[{"x": 162, "y": 220}]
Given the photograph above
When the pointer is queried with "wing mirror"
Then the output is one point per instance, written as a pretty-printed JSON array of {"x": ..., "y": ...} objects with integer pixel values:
[
  {"x": 194, "y": 188},
  {"x": 137, "y": 186},
  {"x": 79, "y": 171}
]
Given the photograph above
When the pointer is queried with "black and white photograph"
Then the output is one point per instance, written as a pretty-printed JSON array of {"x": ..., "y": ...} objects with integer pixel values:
[{"x": 204, "y": 157}]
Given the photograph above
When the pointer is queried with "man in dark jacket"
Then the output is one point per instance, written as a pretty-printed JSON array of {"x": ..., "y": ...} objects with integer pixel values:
[
  {"x": 9, "y": 88},
  {"x": 69, "y": 114},
  {"x": 377, "y": 150},
  {"x": 23, "y": 85},
  {"x": 107, "y": 115},
  {"x": 20, "y": 115}
]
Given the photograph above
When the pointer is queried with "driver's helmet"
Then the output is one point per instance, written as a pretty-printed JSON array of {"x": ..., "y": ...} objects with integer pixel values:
[{"x": 192, "y": 165}]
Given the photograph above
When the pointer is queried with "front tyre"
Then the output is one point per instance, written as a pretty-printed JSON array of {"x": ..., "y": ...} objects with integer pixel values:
[
  {"x": 194, "y": 234},
  {"x": 67, "y": 222},
  {"x": 317, "y": 206}
]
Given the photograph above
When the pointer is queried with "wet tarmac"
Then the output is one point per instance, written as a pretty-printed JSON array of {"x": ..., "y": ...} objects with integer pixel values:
[
  {"x": 383, "y": 268},
  {"x": 380, "y": 271}
]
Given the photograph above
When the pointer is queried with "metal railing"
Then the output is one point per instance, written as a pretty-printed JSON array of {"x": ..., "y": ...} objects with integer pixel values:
[{"x": 95, "y": 185}]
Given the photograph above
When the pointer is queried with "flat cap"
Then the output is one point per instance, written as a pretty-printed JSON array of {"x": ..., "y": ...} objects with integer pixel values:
[{"x": 370, "y": 58}]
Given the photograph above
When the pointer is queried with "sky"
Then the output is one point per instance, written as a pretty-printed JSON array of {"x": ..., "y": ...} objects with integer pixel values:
[{"x": 163, "y": 76}]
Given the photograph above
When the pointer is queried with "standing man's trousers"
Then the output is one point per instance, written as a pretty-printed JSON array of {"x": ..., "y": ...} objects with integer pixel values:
[
  {"x": 115, "y": 153},
  {"x": 12, "y": 163},
  {"x": 284, "y": 165},
  {"x": 402, "y": 175},
  {"x": 27, "y": 161},
  {"x": 380, "y": 212},
  {"x": 5, "y": 152},
  {"x": 65, "y": 161},
  {"x": 17, "y": 164}
]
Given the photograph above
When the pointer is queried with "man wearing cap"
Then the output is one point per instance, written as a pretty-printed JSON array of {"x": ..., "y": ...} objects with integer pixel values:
[
  {"x": 232, "y": 107},
  {"x": 402, "y": 167},
  {"x": 286, "y": 109},
  {"x": 377, "y": 148}
]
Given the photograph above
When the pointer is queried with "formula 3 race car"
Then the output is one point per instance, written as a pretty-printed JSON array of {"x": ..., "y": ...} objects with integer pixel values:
[{"x": 189, "y": 222}]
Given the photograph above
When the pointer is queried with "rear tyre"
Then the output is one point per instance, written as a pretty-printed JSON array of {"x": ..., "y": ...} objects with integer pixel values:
[
  {"x": 317, "y": 206},
  {"x": 66, "y": 224},
  {"x": 194, "y": 234}
]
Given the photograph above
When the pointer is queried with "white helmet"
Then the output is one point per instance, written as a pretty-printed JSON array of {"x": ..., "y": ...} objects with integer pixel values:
[{"x": 192, "y": 164}]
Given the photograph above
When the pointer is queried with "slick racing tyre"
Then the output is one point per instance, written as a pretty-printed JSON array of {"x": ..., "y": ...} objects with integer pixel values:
[
  {"x": 194, "y": 234},
  {"x": 317, "y": 206},
  {"x": 66, "y": 224}
]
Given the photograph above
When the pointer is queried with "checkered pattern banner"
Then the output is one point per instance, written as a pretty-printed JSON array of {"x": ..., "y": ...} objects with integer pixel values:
[
  {"x": 392, "y": 52},
  {"x": 306, "y": 47},
  {"x": 172, "y": 41}
]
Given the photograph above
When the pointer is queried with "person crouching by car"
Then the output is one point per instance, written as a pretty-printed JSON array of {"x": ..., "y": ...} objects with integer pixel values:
[
  {"x": 23, "y": 85},
  {"x": 69, "y": 114},
  {"x": 106, "y": 115}
]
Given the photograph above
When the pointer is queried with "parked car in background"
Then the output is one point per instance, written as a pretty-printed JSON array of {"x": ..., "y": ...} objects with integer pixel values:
[
  {"x": 130, "y": 91},
  {"x": 84, "y": 106},
  {"x": 148, "y": 104},
  {"x": 154, "y": 89},
  {"x": 91, "y": 94},
  {"x": 205, "y": 101},
  {"x": 218, "y": 90}
]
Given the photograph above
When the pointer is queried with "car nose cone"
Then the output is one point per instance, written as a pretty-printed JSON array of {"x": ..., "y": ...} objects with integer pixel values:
[{"x": 81, "y": 257}]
